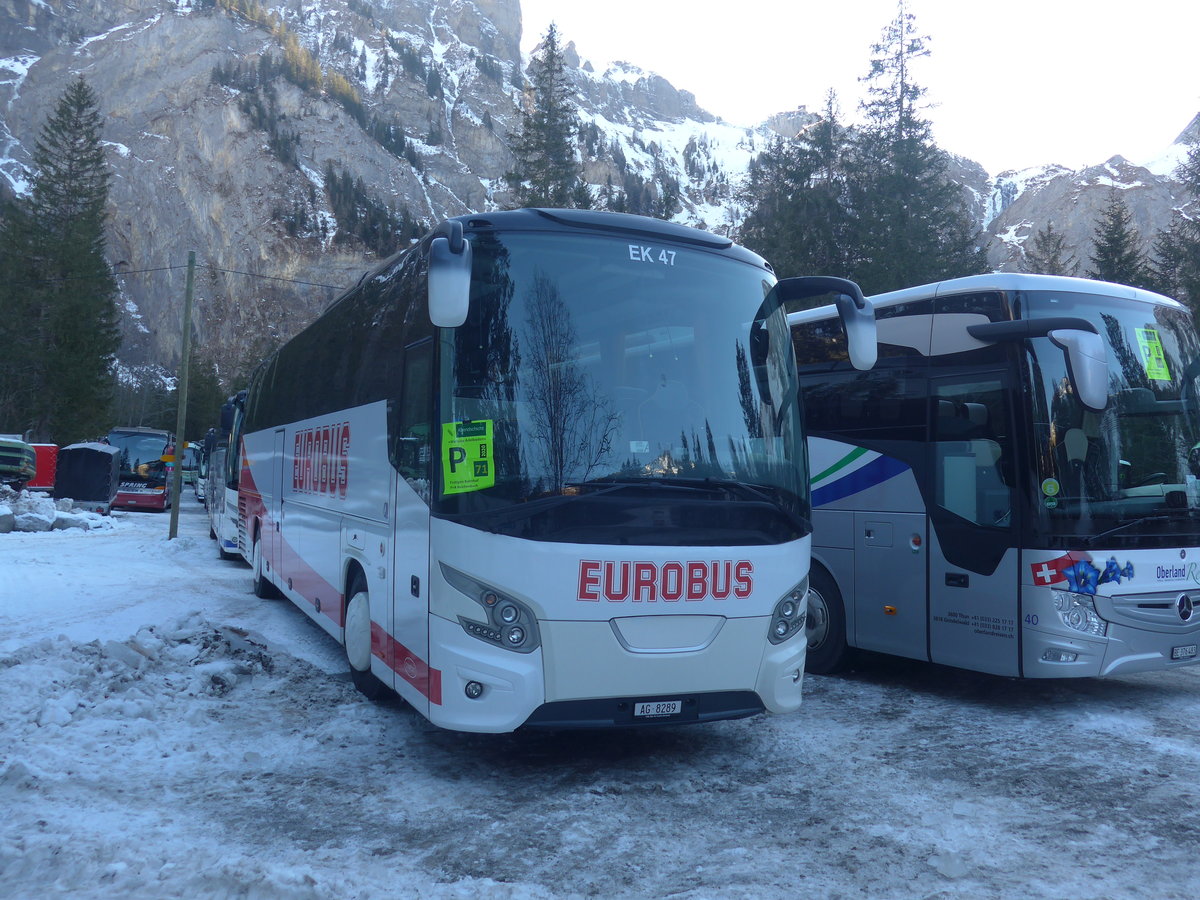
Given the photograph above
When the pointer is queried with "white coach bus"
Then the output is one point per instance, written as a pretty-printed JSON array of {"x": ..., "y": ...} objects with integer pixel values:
[
  {"x": 224, "y": 473},
  {"x": 1013, "y": 488},
  {"x": 546, "y": 468}
]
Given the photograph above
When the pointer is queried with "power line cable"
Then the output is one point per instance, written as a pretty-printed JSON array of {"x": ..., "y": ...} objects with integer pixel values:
[
  {"x": 334, "y": 287},
  {"x": 124, "y": 272}
]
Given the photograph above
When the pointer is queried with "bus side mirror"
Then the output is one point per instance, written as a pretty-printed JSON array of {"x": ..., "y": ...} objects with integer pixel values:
[
  {"x": 858, "y": 318},
  {"x": 856, "y": 312},
  {"x": 449, "y": 276},
  {"x": 1087, "y": 365}
]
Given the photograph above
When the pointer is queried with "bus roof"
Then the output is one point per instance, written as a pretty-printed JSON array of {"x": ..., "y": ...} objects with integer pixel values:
[
  {"x": 534, "y": 219},
  {"x": 139, "y": 429},
  {"x": 993, "y": 281},
  {"x": 1018, "y": 281}
]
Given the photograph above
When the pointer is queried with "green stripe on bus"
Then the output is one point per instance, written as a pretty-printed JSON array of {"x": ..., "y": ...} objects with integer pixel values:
[{"x": 840, "y": 464}]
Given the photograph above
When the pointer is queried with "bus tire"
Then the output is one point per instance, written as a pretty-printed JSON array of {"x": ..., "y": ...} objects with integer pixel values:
[
  {"x": 357, "y": 641},
  {"x": 263, "y": 588},
  {"x": 825, "y": 626}
]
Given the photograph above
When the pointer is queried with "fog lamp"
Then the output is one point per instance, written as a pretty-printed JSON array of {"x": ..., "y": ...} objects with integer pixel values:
[
  {"x": 473, "y": 690},
  {"x": 1056, "y": 655}
]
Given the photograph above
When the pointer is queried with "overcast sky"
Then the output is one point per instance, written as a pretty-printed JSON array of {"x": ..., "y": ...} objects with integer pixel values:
[{"x": 1018, "y": 84}]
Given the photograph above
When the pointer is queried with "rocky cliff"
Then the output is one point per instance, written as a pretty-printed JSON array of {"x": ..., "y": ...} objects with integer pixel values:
[{"x": 222, "y": 141}]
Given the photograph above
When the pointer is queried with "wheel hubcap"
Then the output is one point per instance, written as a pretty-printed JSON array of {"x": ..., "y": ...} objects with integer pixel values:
[
  {"x": 358, "y": 632},
  {"x": 816, "y": 625}
]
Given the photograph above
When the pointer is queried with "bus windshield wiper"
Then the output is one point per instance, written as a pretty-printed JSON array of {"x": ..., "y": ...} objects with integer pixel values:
[
  {"x": 1093, "y": 539},
  {"x": 729, "y": 486},
  {"x": 613, "y": 483}
]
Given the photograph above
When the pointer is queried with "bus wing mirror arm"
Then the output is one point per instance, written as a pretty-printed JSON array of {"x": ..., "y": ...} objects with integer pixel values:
[
  {"x": 1080, "y": 341},
  {"x": 449, "y": 276}
]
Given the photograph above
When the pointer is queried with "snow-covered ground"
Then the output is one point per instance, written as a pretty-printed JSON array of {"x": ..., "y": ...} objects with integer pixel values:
[{"x": 164, "y": 733}]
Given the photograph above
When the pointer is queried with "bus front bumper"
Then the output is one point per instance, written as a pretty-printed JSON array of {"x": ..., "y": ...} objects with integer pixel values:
[
  {"x": 130, "y": 500},
  {"x": 582, "y": 676},
  {"x": 1124, "y": 651}
]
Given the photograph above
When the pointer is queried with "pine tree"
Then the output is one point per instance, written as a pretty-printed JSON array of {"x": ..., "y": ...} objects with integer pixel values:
[
  {"x": 19, "y": 296},
  {"x": 546, "y": 171},
  {"x": 1175, "y": 270},
  {"x": 1047, "y": 254},
  {"x": 1169, "y": 258},
  {"x": 1118, "y": 255},
  {"x": 62, "y": 306},
  {"x": 912, "y": 222},
  {"x": 796, "y": 197}
]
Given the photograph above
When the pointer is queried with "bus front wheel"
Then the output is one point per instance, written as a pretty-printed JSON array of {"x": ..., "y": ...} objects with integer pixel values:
[
  {"x": 262, "y": 586},
  {"x": 825, "y": 626},
  {"x": 358, "y": 642}
]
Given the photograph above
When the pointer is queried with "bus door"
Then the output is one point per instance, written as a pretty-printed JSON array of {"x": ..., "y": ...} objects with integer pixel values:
[
  {"x": 972, "y": 560},
  {"x": 273, "y": 515},
  {"x": 410, "y": 426}
]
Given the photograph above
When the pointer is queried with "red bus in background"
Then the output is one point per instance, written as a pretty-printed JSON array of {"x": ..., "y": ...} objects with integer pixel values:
[{"x": 144, "y": 471}]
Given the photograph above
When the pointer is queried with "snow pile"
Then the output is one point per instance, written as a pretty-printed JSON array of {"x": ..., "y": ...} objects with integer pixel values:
[
  {"x": 199, "y": 735},
  {"x": 36, "y": 512},
  {"x": 166, "y": 734}
]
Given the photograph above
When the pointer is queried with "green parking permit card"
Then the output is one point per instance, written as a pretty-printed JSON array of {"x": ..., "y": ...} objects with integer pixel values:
[
  {"x": 467, "y": 463},
  {"x": 1153, "y": 357}
]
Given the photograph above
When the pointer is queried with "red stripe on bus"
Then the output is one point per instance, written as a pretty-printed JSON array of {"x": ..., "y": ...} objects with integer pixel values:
[
  {"x": 291, "y": 567},
  {"x": 407, "y": 664}
]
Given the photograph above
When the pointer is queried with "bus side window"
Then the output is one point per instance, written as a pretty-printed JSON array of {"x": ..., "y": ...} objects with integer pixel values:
[{"x": 411, "y": 419}]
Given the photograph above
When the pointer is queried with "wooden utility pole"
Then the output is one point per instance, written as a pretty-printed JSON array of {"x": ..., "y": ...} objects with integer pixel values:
[{"x": 181, "y": 393}]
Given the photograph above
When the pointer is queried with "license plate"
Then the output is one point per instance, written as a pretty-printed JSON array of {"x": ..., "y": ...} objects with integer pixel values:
[
  {"x": 657, "y": 708},
  {"x": 1187, "y": 652}
]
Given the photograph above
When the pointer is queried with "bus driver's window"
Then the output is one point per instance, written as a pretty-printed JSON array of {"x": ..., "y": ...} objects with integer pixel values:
[{"x": 413, "y": 422}]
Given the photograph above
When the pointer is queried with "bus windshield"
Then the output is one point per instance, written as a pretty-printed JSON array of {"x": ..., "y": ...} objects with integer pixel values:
[
  {"x": 1132, "y": 469},
  {"x": 141, "y": 452},
  {"x": 625, "y": 391}
]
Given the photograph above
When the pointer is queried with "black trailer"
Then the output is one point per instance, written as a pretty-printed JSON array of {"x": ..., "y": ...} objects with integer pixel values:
[{"x": 90, "y": 475}]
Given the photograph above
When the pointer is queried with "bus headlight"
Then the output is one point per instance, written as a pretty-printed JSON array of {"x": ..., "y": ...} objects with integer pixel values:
[
  {"x": 507, "y": 622},
  {"x": 789, "y": 614},
  {"x": 1078, "y": 612}
]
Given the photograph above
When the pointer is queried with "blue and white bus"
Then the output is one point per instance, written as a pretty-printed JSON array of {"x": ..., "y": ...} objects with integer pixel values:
[
  {"x": 1013, "y": 487},
  {"x": 546, "y": 468}
]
